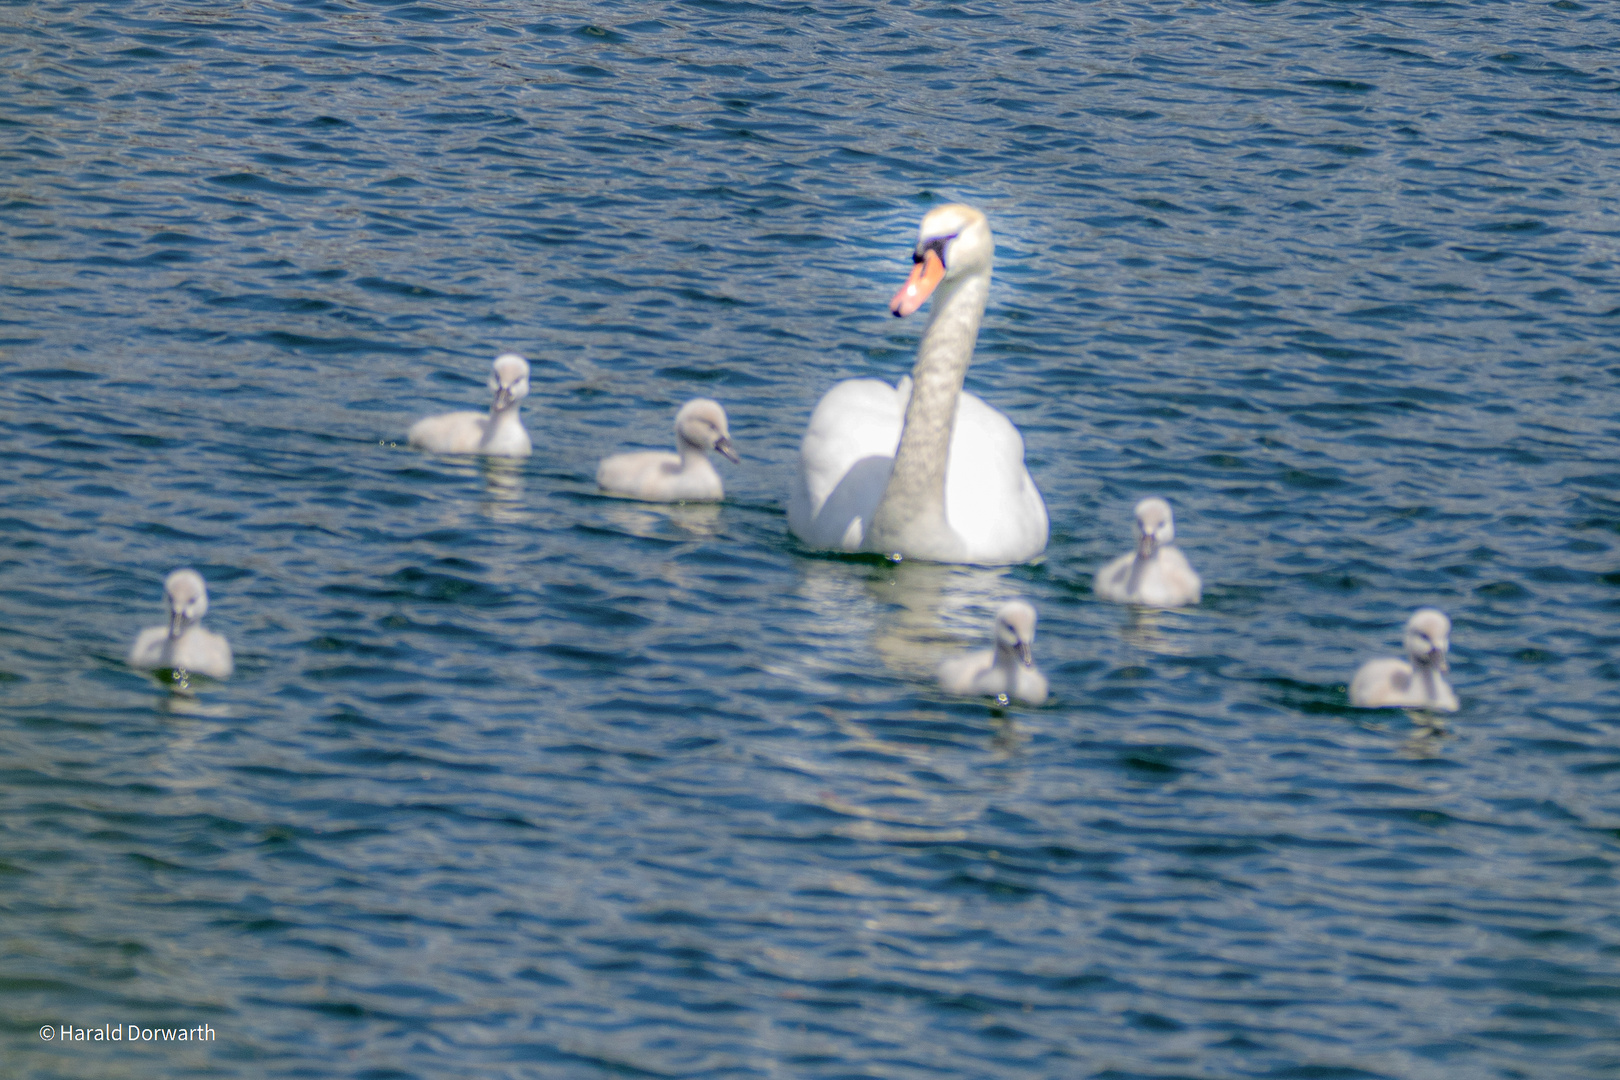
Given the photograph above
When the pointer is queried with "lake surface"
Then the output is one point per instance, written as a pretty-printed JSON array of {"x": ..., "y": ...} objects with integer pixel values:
[{"x": 517, "y": 781}]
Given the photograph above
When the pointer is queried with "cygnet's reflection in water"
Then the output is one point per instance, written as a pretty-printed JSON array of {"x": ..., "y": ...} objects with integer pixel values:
[
  {"x": 182, "y": 698},
  {"x": 1428, "y": 738},
  {"x": 663, "y": 521},
  {"x": 503, "y": 490},
  {"x": 1160, "y": 630}
]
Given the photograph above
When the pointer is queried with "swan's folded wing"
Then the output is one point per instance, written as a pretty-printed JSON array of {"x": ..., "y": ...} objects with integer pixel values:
[
  {"x": 844, "y": 463},
  {"x": 991, "y": 501}
]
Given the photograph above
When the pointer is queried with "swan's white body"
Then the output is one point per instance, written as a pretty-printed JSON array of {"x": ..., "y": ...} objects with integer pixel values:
[
  {"x": 1156, "y": 574},
  {"x": 499, "y": 432},
  {"x": 183, "y": 644},
  {"x": 1005, "y": 671},
  {"x": 921, "y": 469},
  {"x": 1419, "y": 682},
  {"x": 689, "y": 476}
]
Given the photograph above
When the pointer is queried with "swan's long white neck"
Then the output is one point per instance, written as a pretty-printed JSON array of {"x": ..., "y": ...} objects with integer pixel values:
[{"x": 910, "y": 518}]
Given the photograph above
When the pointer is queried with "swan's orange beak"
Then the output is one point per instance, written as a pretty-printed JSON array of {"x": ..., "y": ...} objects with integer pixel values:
[{"x": 925, "y": 276}]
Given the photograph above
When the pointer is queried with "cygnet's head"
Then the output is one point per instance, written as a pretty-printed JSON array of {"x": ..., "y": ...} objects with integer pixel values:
[
  {"x": 187, "y": 598},
  {"x": 952, "y": 242},
  {"x": 509, "y": 379},
  {"x": 702, "y": 423},
  {"x": 1155, "y": 526},
  {"x": 1428, "y": 638},
  {"x": 1015, "y": 630}
]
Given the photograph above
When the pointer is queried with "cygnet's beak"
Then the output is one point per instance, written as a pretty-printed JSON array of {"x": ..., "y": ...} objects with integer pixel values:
[
  {"x": 723, "y": 444},
  {"x": 926, "y": 275},
  {"x": 1438, "y": 661},
  {"x": 1146, "y": 545},
  {"x": 503, "y": 399},
  {"x": 1026, "y": 654},
  {"x": 177, "y": 623}
]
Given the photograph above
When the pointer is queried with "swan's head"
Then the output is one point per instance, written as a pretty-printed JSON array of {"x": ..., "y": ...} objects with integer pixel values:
[
  {"x": 1155, "y": 526},
  {"x": 702, "y": 423},
  {"x": 1015, "y": 630},
  {"x": 1428, "y": 638},
  {"x": 509, "y": 380},
  {"x": 953, "y": 241},
  {"x": 187, "y": 598}
]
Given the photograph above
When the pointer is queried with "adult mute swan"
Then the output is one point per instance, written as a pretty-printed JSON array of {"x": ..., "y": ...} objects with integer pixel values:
[
  {"x": 1156, "y": 574},
  {"x": 688, "y": 476},
  {"x": 1421, "y": 684},
  {"x": 922, "y": 470},
  {"x": 500, "y": 433},
  {"x": 1006, "y": 671},
  {"x": 183, "y": 644}
]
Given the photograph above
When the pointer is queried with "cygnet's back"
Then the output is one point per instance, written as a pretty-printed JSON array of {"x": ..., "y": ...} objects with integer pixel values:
[
  {"x": 183, "y": 643},
  {"x": 499, "y": 432},
  {"x": 1156, "y": 574},
  {"x": 687, "y": 476},
  {"x": 1007, "y": 670},
  {"x": 1418, "y": 682}
]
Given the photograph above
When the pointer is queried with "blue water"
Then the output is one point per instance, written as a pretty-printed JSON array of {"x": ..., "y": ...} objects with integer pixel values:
[{"x": 517, "y": 781}]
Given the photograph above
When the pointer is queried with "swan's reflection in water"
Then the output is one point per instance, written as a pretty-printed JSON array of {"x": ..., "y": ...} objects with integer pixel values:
[
  {"x": 929, "y": 612},
  {"x": 911, "y": 615}
]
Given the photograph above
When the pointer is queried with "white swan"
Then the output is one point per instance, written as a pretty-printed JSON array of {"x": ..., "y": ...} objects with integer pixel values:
[
  {"x": 500, "y": 433},
  {"x": 183, "y": 644},
  {"x": 688, "y": 476},
  {"x": 1421, "y": 684},
  {"x": 1006, "y": 671},
  {"x": 922, "y": 470},
  {"x": 1156, "y": 574}
]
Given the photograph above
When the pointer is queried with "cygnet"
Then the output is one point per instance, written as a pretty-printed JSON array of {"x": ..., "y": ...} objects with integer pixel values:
[
  {"x": 1156, "y": 574},
  {"x": 689, "y": 476},
  {"x": 1421, "y": 684},
  {"x": 184, "y": 644},
  {"x": 500, "y": 433},
  {"x": 1005, "y": 672}
]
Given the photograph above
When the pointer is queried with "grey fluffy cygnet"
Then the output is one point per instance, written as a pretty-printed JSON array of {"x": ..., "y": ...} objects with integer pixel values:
[
  {"x": 1419, "y": 682},
  {"x": 499, "y": 433},
  {"x": 1156, "y": 574},
  {"x": 687, "y": 476},
  {"x": 183, "y": 644},
  {"x": 1006, "y": 671}
]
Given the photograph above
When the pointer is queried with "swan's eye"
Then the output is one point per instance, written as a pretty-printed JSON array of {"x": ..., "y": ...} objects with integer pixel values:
[{"x": 936, "y": 245}]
